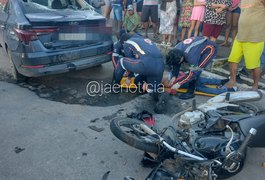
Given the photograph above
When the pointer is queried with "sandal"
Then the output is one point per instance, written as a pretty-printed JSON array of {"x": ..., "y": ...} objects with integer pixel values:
[
  {"x": 233, "y": 89},
  {"x": 163, "y": 43}
]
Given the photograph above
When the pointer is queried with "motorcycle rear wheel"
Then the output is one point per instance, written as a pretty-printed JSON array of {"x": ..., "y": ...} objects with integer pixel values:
[{"x": 129, "y": 131}]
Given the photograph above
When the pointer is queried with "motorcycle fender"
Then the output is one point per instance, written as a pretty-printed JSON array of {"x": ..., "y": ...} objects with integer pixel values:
[{"x": 257, "y": 122}]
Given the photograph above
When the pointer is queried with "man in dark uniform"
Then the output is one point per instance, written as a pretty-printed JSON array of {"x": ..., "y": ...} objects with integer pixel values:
[
  {"x": 197, "y": 52},
  {"x": 141, "y": 57}
]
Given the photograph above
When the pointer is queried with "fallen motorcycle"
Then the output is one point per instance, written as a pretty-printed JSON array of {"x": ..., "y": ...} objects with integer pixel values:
[{"x": 205, "y": 142}]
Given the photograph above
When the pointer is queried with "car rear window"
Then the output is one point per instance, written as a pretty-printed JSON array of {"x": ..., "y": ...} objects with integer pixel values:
[{"x": 56, "y": 4}]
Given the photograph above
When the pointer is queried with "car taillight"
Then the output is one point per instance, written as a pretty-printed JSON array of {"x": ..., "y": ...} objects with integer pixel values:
[{"x": 30, "y": 35}]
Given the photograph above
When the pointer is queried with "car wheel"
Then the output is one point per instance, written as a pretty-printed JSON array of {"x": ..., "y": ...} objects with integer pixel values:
[{"x": 15, "y": 74}]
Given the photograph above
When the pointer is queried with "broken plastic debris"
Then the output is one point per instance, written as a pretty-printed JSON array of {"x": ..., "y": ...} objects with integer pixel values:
[
  {"x": 96, "y": 128},
  {"x": 18, "y": 149},
  {"x": 105, "y": 176}
]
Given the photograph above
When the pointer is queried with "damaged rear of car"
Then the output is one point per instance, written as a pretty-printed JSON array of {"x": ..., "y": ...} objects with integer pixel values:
[{"x": 53, "y": 36}]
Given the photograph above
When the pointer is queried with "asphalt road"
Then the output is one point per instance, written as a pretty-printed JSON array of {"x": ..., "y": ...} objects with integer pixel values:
[{"x": 44, "y": 138}]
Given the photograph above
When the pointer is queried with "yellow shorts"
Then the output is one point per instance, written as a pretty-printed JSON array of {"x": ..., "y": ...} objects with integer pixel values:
[{"x": 251, "y": 52}]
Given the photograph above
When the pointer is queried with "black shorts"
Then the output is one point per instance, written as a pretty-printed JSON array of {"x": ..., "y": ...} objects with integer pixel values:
[
  {"x": 150, "y": 11},
  {"x": 139, "y": 6}
]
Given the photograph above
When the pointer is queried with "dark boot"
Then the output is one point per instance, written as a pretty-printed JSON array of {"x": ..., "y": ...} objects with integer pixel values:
[
  {"x": 190, "y": 91},
  {"x": 187, "y": 95},
  {"x": 161, "y": 105}
]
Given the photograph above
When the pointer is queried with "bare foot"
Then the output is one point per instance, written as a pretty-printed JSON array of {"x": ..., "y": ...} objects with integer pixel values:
[
  {"x": 254, "y": 88},
  {"x": 225, "y": 44},
  {"x": 230, "y": 84}
]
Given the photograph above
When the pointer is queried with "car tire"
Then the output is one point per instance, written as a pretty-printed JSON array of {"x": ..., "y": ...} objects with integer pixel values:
[{"x": 15, "y": 74}]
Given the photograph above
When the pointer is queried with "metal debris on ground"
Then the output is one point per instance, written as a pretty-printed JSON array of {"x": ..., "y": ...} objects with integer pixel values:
[
  {"x": 18, "y": 149},
  {"x": 106, "y": 175},
  {"x": 96, "y": 128},
  {"x": 128, "y": 178},
  {"x": 94, "y": 120},
  {"x": 84, "y": 154}
]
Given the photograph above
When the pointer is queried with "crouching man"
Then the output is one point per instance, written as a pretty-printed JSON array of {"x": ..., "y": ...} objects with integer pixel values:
[
  {"x": 142, "y": 59},
  {"x": 197, "y": 53}
]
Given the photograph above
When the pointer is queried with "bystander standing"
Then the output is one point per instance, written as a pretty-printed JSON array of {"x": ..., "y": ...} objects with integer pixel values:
[
  {"x": 232, "y": 18},
  {"x": 185, "y": 15},
  {"x": 215, "y": 18},
  {"x": 150, "y": 9},
  {"x": 249, "y": 41},
  {"x": 168, "y": 11}
]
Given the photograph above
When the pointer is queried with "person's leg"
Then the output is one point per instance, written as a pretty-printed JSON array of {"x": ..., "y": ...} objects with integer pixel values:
[
  {"x": 145, "y": 19},
  {"x": 235, "y": 26},
  {"x": 209, "y": 81},
  {"x": 197, "y": 27},
  {"x": 115, "y": 20},
  {"x": 252, "y": 54},
  {"x": 213, "y": 39},
  {"x": 193, "y": 22},
  {"x": 227, "y": 28},
  {"x": 139, "y": 81},
  {"x": 183, "y": 32},
  {"x": 118, "y": 73},
  {"x": 262, "y": 64},
  {"x": 234, "y": 58},
  {"x": 233, "y": 72},
  {"x": 163, "y": 39},
  {"x": 176, "y": 29},
  {"x": 154, "y": 27},
  {"x": 154, "y": 18},
  {"x": 119, "y": 18},
  {"x": 256, "y": 76},
  {"x": 190, "y": 91},
  {"x": 209, "y": 90},
  {"x": 216, "y": 32},
  {"x": 169, "y": 39},
  {"x": 207, "y": 30},
  {"x": 108, "y": 8}
]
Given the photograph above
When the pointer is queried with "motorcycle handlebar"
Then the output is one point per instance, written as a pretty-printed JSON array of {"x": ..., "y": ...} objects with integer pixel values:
[
  {"x": 151, "y": 132},
  {"x": 251, "y": 134}
]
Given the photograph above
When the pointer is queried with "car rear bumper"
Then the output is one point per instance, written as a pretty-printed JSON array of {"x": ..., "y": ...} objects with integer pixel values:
[{"x": 65, "y": 67}]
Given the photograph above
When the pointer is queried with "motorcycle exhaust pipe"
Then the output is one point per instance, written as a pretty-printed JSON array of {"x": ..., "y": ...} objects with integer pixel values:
[{"x": 251, "y": 134}]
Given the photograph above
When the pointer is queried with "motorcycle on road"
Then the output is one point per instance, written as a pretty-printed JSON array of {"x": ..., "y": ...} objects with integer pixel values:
[{"x": 208, "y": 141}]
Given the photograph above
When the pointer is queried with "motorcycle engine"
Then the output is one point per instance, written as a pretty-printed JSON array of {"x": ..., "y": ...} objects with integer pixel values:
[
  {"x": 190, "y": 118},
  {"x": 211, "y": 146}
]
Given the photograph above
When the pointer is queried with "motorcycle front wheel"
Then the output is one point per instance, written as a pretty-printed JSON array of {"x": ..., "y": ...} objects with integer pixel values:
[{"x": 129, "y": 131}]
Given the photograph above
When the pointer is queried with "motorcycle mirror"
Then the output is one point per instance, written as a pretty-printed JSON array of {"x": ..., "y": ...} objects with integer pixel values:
[{"x": 227, "y": 97}]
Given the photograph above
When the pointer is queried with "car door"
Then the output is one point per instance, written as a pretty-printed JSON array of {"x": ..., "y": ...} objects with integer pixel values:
[{"x": 3, "y": 18}]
